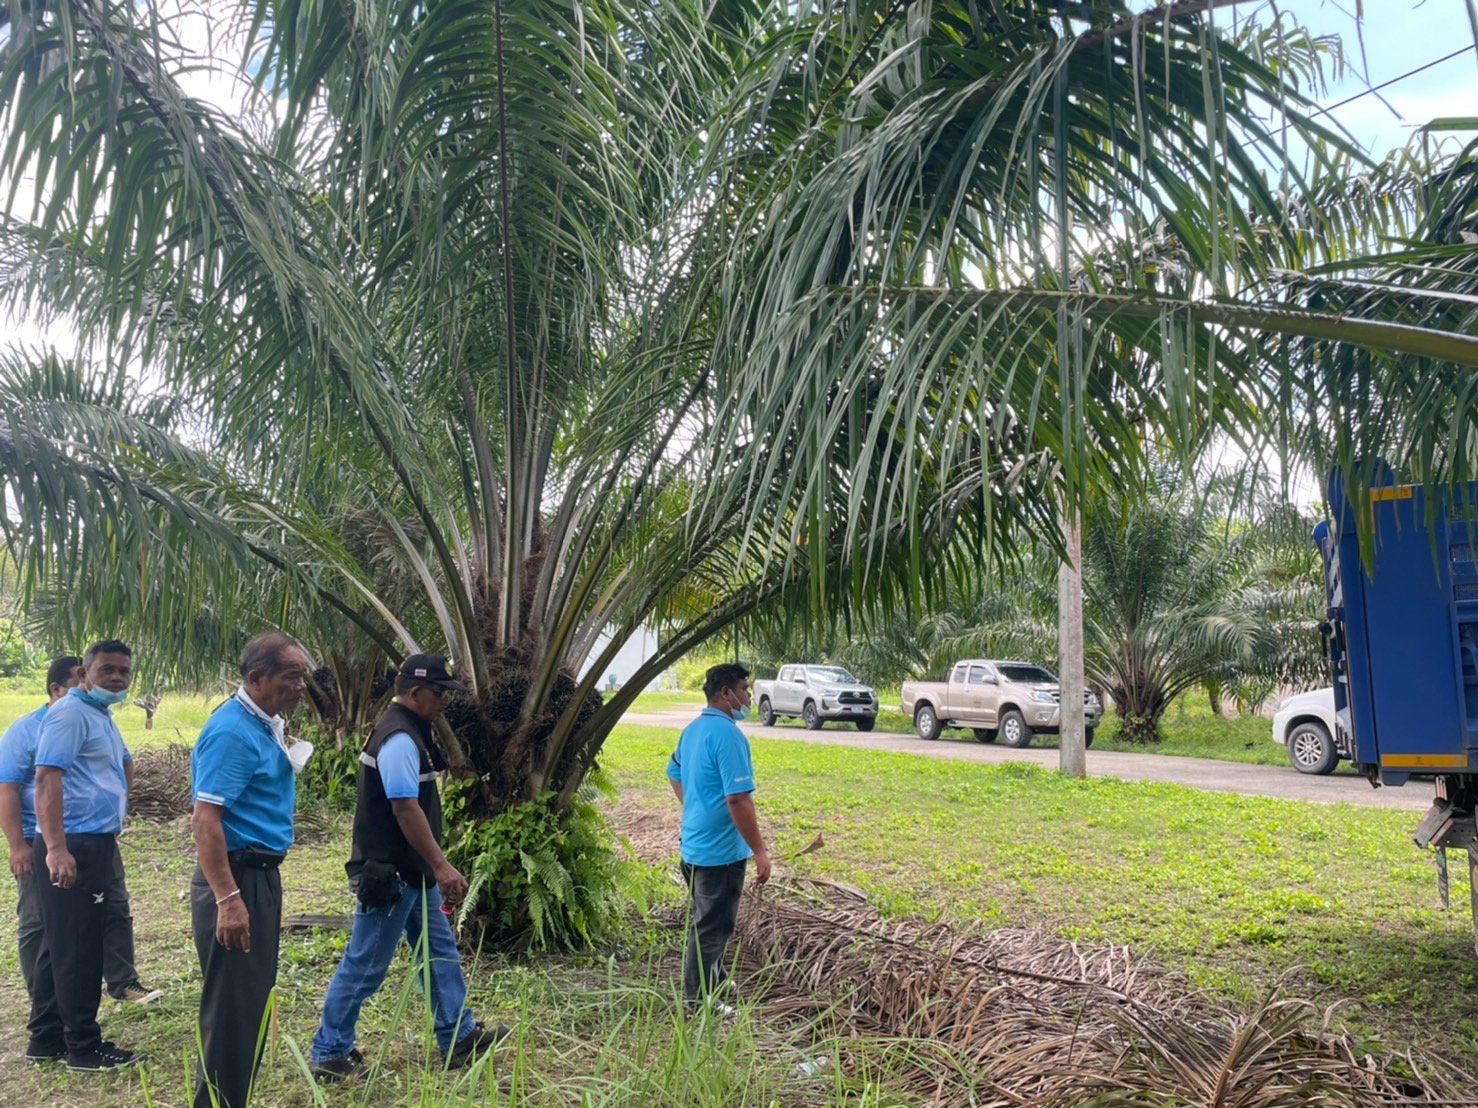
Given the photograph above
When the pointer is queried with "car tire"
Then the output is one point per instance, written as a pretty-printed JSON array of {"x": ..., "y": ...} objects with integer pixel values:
[
  {"x": 926, "y": 722},
  {"x": 767, "y": 712},
  {"x": 1013, "y": 731},
  {"x": 811, "y": 717},
  {"x": 866, "y": 724},
  {"x": 1088, "y": 737},
  {"x": 1311, "y": 750},
  {"x": 985, "y": 734}
]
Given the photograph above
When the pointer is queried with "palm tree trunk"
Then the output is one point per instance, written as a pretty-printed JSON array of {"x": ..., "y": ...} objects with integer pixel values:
[{"x": 1072, "y": 743}]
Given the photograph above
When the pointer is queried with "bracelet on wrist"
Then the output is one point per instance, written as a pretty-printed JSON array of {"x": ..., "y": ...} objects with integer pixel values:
[{"x": 228, "y": 896}]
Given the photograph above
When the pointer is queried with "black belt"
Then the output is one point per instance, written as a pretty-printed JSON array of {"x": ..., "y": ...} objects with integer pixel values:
[{"x": 252, "y": 858}]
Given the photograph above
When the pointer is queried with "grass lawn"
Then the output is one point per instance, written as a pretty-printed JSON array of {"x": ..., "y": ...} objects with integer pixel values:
[
  {"x": 178, "y": 719},
  {"x": 1234, "y": 891},
  {"x": 596, "y": 1029},
  {"x": 665, "y": 701}
]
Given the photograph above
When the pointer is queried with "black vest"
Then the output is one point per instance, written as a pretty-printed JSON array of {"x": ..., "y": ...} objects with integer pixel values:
[{"x": 377, "y": 833}]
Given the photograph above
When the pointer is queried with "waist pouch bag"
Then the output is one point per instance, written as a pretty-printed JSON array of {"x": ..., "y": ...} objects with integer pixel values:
[{"x": 379, "y": 885}]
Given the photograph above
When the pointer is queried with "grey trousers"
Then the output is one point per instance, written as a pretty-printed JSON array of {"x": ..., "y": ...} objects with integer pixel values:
[
  {"x": 713, "y": 903},
  {"x": 237, "y": 986},
  {"x": 118, "y": 967}
]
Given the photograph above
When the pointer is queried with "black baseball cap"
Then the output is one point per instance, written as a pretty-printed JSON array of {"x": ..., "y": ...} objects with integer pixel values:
[{"x": 430, "y": 669}]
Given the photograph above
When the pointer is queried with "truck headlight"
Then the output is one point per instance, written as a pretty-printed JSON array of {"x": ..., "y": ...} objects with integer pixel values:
[{"x": 1043, "y": 698}]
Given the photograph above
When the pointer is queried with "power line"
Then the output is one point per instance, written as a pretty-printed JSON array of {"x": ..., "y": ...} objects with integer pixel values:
[{"x": 1394, "y": 80}]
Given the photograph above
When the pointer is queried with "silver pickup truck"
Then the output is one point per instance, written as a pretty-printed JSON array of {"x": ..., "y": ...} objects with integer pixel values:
[
  {"x": 1012, "y": 700},
  {"x": 816, "y": 694}
]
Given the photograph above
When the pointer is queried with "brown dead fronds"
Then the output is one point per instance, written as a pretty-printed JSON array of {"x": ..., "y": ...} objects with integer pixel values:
[
  {"x": 161, "y": 784},
  {"x": 161, "y": 793},
  {"x": 1011, "y": 1017}
]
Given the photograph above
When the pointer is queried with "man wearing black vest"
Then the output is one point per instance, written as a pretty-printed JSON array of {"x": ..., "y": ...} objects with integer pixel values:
[{"x": 401, "y": 879}]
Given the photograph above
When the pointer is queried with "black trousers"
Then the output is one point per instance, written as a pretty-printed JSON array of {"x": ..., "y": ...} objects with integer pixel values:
[
  {"x": 237, "y": 986},
  {"x": 67, "y": 986},
  {"x": 118, "y": 967},
  {"x": 713, "y": 910}
]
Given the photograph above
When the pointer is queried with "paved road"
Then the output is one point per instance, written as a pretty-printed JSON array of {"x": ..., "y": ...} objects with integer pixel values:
[{"x": 1200, "y": 773}]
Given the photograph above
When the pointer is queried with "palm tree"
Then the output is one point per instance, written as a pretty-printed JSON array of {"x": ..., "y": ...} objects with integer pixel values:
[
  {"x": 1166, "y": 604},
  {"x": 587, "y": 314}
]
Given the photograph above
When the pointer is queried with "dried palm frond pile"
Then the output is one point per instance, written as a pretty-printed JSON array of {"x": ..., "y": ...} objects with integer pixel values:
[
  {"x": 1020, "y": 1018},
  {"x": 161, "y": 784},
  {"x": 161, "y": 793}
]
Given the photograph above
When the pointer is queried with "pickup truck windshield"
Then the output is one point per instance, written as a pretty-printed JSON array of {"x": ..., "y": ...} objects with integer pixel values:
[
  {"x": 831, "y": 673},
  {"x": 1027, "y": 675}
]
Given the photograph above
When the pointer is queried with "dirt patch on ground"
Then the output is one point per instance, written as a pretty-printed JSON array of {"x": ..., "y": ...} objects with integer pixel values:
[{"x": 652, "y": 832}]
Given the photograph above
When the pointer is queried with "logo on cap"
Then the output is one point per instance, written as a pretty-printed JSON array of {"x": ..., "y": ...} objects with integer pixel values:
[{"x": 421, "y": 672}]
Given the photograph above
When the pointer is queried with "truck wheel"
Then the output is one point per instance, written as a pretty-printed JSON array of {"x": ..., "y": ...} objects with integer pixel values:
[
  {"x": 926, "y": 721},
  {"x": 985, "y": 734},
  {"x": 811, "y": 716},
  {"x": 866, "y": 724},
  {"x": 1088, "y": 737},
  {"x": 1013, "y": 730},
  {"x": 1311, "y": 750},
  {"x": 767, "y": 713}
]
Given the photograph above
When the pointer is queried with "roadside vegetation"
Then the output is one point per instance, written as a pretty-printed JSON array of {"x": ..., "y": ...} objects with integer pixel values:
[{"x": 1238, "y": 893}]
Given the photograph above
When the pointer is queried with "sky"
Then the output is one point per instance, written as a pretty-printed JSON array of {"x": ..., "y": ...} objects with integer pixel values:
[{"x": 1398, "y": 36}]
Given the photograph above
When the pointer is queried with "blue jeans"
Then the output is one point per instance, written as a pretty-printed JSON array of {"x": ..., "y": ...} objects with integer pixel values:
[{"x": 417, "y": 915}]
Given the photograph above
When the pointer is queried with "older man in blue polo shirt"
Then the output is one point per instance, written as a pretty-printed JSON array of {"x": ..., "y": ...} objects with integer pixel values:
[
  {"x": 713, "y": 777},
  {"x": 242, "y": 777},
  {"x": 83, "y": 771}
]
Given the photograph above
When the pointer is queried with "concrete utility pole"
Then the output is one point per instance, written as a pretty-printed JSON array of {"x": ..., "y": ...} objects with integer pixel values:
[{"x": 1072, "y": 748}]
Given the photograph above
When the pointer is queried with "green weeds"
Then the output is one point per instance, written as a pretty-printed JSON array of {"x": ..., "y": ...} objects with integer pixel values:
[{"x": 1234, "y": 891}]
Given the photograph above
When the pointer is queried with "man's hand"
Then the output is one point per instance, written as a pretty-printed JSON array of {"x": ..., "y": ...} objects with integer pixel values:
[
  {"x": 233, "y": 925},
  {"x": 20, "y": 863},
  {"x": 62, "y": 866},
  {"x": 761, "y": 867},
  {"x": 452, "y": 884}
]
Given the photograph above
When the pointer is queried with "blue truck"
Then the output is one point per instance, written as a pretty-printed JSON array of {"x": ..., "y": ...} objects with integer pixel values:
[{"x": 1401, "y": 579}]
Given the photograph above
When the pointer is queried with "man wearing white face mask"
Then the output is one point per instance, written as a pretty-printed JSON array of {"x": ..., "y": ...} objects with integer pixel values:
[
  {"x": 713, "y": 777},
  {"x": 242, "y": 776}
]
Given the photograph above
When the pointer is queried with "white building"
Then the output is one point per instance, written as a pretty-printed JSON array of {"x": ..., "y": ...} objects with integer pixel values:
[{"x": 634, "y": 652}]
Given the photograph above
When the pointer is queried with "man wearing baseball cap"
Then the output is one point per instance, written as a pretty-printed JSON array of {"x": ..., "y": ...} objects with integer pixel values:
[{"x": 401, "y": 880}]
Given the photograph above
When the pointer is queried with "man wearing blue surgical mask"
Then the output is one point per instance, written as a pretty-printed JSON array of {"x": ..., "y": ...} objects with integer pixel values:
[
  {"x": 712, "y": 775},
  {"x": 83, "y": 771}
]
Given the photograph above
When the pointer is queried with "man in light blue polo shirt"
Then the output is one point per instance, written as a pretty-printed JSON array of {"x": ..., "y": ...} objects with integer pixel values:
[
  {"x": 83, "y": 771},
  {"x": 18, "y": 821},
  {"x": 713, "y": 777},
  {"x": 242, "y": 776}
]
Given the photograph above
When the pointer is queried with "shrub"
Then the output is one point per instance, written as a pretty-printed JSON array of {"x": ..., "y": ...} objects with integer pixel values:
[
  {"x": 328, "y": 780},
  {"x": 540, "y": 878}
]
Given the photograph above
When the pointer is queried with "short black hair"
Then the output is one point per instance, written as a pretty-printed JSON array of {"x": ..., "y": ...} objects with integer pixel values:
[
  {"x": 106, "y": 646},
  {"x": 61, "y": 670},
  {"x": 723, "y": 676},
  {"x": 264, "y": 653}
]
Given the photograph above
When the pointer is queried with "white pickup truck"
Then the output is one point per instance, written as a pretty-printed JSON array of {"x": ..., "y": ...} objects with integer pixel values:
[
  {"x": 816, "y": 694},
  {"x": 1012, "y": 700}
]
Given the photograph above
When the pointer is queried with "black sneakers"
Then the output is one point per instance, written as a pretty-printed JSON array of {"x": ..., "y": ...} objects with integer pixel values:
[
  {"x": 340, "y": 1069},
  {"x": 476, "y": 1041},
  {"x": 38, "y": 1053},
  {"x": 104, "y": 1056}
]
